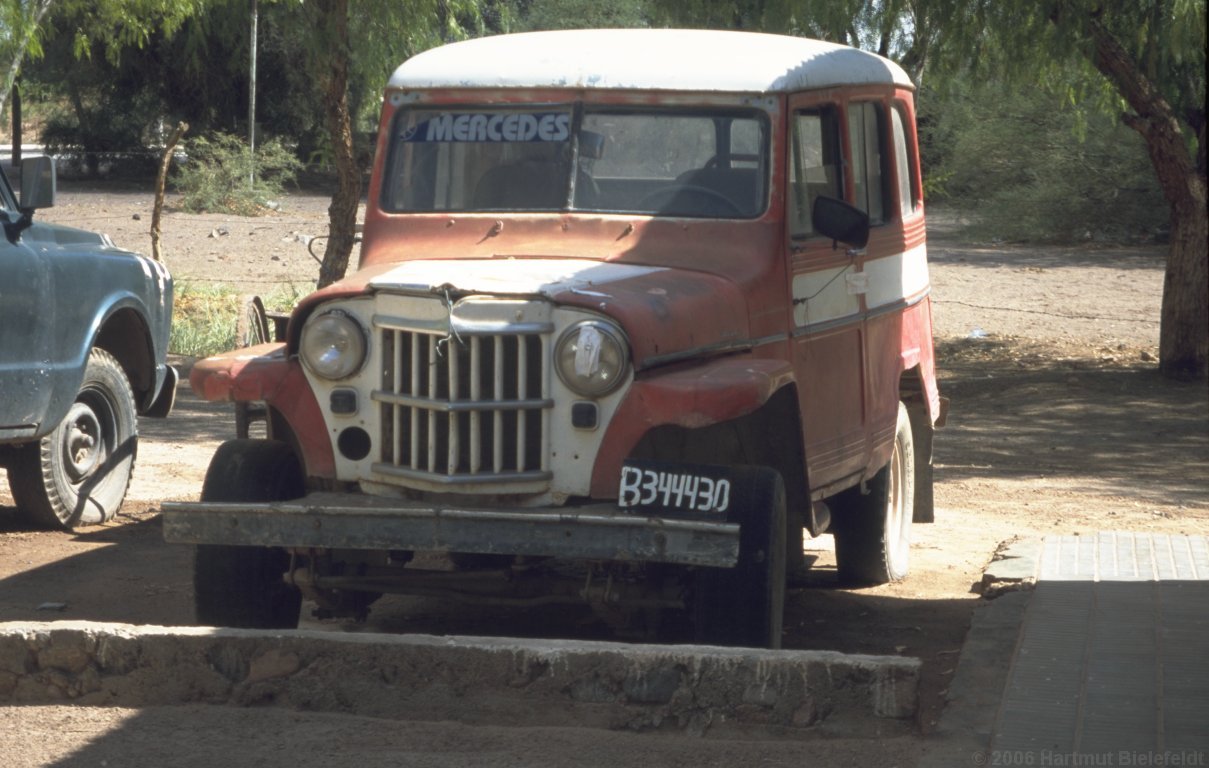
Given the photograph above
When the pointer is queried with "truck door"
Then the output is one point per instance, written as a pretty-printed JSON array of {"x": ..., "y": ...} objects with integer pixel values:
[
  {"x": 27, "y": 322},
  {"x": 893, "y": 274},
  {"x": 827, "y": 307}
]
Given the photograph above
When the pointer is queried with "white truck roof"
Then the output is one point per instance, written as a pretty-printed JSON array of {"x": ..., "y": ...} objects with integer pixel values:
[{"x": 646, "y": 59}]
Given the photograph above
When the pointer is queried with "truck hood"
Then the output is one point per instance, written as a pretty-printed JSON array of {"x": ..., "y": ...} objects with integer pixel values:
[
  {"x": 58, "y": 235},
  {"x": 667, "y": 313}
]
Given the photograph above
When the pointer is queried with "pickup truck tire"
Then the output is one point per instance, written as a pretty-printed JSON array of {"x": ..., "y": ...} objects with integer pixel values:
[
  {"x": 244, "y": 586},
  {"x": 873, "y": 529},
  {"x": 79, "y": 473},
  {"x": 745, "y": 605}
]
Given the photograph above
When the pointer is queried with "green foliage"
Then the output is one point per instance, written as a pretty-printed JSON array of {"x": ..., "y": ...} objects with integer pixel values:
[
  {"x": 100, "y": 132},
  {"x": 205, "y": 317},
  {"x": 582, "y": 14},
  {"x": 94, "y": 111},
  {"x": 121, "y": 25},
  {"x": 1027, "y": 164},
  {"x": 216, "y": 177}
]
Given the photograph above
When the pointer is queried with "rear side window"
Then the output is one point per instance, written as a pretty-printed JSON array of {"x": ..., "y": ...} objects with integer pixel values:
[
  {"x": 908, "y": 198},
  {"x": 815, "y": 166},
  {"x": 866, "y": 132}
]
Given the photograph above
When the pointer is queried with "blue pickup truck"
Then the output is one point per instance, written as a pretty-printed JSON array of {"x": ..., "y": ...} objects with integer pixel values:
[{"x": 84, "y": 331}]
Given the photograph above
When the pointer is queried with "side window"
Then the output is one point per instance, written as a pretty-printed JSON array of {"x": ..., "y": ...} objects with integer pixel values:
[
  {"x": 745, "y": 143},
  {"x": 815, "y": 166},
  {"x": 866, "y": 129},
  {"x": 908, "y": 199}
]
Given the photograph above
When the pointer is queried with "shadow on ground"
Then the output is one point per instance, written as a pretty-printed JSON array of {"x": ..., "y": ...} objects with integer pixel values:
[{"x": 1115, "y": 428}]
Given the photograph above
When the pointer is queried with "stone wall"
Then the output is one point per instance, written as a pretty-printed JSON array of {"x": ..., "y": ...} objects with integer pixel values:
[{"x": 471, "y": 680}]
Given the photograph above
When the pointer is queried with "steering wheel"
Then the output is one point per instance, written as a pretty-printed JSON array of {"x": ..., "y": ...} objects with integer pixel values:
[{"x": 666, "y": 194}]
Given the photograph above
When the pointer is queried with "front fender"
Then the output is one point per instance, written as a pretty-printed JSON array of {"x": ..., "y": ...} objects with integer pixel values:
[
  {"x": 718, "y": 391},
  {"x": 266, "y": 373}
]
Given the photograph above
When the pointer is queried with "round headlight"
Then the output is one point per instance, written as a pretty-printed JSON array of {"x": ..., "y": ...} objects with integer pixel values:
[
  {"x": 333, "y": 345},
  {"x": 591, "y": 358}
]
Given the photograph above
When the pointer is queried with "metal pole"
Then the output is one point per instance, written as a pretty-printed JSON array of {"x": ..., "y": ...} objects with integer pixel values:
[{"x": 252, "y": 103}]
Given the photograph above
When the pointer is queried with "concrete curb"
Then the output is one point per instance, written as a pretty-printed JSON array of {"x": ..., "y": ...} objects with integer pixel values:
[
  {"x": 470, "y": 680},
  {"x": 963, "y": 736},
  {"x": 1015, "y": 566}
]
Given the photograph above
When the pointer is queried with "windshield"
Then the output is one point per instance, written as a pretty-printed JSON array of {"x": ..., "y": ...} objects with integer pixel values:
[{"x": 692, "y": 163}]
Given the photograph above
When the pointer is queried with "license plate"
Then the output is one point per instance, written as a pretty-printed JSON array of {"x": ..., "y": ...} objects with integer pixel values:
[{"x": 683, "y": 489}]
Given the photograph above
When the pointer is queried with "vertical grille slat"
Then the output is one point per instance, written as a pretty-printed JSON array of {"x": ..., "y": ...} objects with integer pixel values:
[
  {"x": 544, "y": 354},
  {"x": 433, "y": 393},
  {"x": 497, "y": 443},
  {"x": 473, "y": 409},
  {"x": 476, "y": 395},
  {"x": 454, "y": 417},
  {"x": 521, "y": 392},
  {"x": 416, "y": 382}
]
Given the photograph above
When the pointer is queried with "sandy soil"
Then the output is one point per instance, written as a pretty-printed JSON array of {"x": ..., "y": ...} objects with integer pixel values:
[{"x": 1059, "y": 424}]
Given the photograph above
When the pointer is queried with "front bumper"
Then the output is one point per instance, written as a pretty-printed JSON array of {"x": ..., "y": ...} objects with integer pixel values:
[{"x": 351, "y": 521}]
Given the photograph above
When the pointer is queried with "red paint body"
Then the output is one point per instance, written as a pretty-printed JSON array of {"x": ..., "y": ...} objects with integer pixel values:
[{"x": 721, "y": 313}]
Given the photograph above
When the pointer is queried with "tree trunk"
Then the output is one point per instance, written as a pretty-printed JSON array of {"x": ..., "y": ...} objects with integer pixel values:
[
  {"x": 342, "y": 213},
  {"x": 161, "y": 181},
  {"x": 1184, "y": 328}
]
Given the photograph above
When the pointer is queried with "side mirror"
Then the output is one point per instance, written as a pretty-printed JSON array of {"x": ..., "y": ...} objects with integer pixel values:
[
  {"x": 37, "y": 191},
  {"x": 37, "y": 183},
  {"x": 840, "y": 221}
]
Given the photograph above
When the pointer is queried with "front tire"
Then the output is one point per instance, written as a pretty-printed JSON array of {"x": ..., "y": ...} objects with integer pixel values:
[
  {"x": 745, "y": 605},
  {"x": 80, "y": 472},
  {"x": 873, "y": 529},
  {"x": 244, "y": 586}
]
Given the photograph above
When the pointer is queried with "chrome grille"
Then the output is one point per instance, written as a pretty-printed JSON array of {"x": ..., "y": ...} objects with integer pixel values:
[{"x": 467, "y": 408}]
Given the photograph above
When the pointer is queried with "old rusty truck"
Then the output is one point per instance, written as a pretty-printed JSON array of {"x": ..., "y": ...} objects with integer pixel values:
[{"x": 634, "y": 309}]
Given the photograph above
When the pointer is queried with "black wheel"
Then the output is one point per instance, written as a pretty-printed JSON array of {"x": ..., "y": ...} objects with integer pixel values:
[
  {"x": 745, "y": 605},
  {"x": 252, "y": 325},
  {"x": 79, "y": 473},
  {"x": 672, "y": 200},
  {"x": 873, "y": 530},
  {"x": 244, "y": 586},
  {"x": 251, "y": 328}
]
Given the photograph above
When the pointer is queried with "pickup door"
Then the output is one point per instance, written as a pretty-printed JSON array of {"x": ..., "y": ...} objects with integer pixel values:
[{"x": 27, "y": 323}]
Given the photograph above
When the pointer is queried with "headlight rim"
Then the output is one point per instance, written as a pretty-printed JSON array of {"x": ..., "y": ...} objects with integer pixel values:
[
  {"x": 344, "y": 372},
  {"x": 606, "y": 328}
]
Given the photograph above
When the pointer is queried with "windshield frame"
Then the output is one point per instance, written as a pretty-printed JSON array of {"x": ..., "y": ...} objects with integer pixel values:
[{"x": 583, "y": 148}]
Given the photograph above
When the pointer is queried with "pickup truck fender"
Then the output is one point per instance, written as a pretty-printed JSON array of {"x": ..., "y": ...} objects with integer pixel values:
[
  {"x": 265, "y": 372},
  {"x": 718, "y": 391}
]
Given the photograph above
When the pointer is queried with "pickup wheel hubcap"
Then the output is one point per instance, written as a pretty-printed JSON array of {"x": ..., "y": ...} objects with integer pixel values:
[{"x": 83, "y": 443}]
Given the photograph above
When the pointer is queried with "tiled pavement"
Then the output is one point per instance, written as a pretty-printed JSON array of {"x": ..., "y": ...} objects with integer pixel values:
[
  {"x": 1104, "y": 663},
  {"x": 1113, "y": 657}
]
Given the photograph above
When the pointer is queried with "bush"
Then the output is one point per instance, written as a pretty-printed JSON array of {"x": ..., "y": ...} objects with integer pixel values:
[
  {"x": 217, "y": 176},
  {"x": 1029, "y": 165}
]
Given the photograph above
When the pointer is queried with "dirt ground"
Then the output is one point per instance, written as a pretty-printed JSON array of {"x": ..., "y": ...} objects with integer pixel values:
[{"x": 1059, "y": 423}]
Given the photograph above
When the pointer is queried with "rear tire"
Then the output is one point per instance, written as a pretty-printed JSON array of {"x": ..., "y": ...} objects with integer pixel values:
[
  {"x": 873, "y": 529},
  {"x": 80, "y": 472},
  {"x": 745, "y": 605},
  {"x": 244, "y": 586}
]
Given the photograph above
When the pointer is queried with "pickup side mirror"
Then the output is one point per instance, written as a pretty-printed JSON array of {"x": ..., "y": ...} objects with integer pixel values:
[
  {"x": 841, "y": 222},
  {"x": 37, "y": 191},
  {"x": 37, "y": 183}
]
